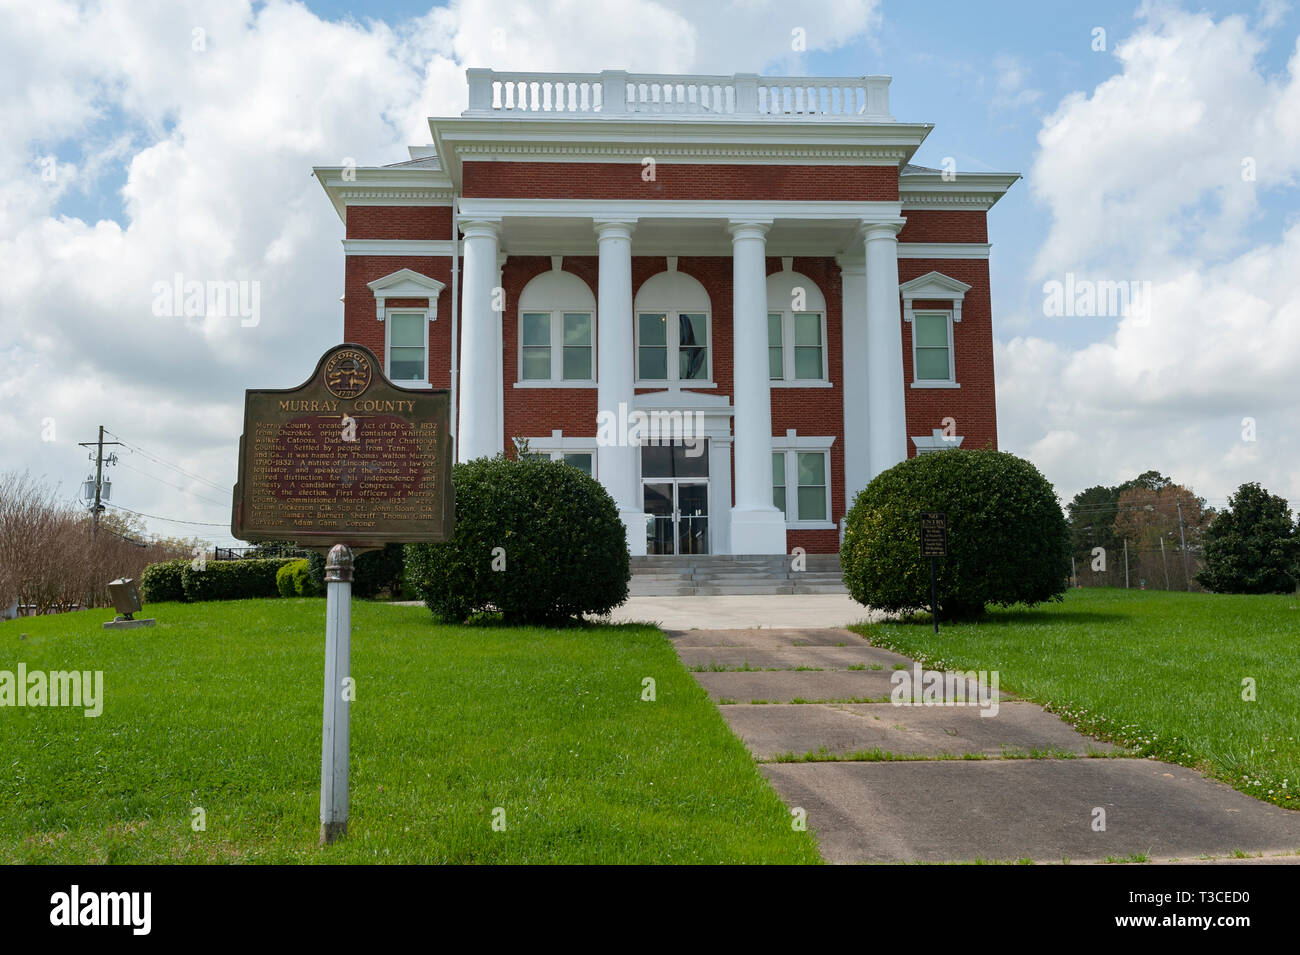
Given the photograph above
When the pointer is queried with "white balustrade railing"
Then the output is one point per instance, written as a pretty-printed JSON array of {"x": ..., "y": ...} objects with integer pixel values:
[{"x": 618, "y": 93}]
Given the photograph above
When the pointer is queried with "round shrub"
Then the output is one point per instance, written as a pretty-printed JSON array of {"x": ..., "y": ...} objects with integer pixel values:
[
  {"x": 1008, "y": 541},
  {"x": 292, "y": 579},
  {"x": 537, "y": 540},
  {"x": 161, "y": 582}
]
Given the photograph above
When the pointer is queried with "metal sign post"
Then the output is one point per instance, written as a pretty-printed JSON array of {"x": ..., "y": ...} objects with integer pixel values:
[
  {"x": 336, "y": 734},
  {"x": 934, "y": 544}
]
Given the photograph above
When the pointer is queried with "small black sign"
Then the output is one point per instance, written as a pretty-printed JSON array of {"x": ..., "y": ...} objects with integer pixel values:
[{"x": 934, "y": 534}]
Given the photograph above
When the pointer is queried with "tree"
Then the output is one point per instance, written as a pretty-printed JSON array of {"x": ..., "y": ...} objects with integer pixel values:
[
  {"x": 1008, "y": 541},
  {"x": 1252, "y": 547}
]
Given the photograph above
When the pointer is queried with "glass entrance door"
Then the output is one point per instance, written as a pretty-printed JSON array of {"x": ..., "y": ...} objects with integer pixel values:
[{"x": 678, "y": 516}]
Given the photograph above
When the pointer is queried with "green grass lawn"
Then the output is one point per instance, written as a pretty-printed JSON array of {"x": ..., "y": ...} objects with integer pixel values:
[
  {"x": 219, "y": 707},
  {"x": 1159, "y": 672}
]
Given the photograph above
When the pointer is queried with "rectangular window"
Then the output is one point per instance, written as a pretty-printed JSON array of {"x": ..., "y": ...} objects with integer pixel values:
[
  {"x": 812, "y": 486},
  {"x": 775, "y": 348},
  {"x": 692, "y": 347},
  {"x": 930, "y": 338},
  {"x": 808, "y": 345},
  {"x": 804, "y": 472},
  {"x": 577, "y": 346},
  {"x": 580, "y": 460},
  {"x": 778, "y": 481},
  {"x": 407, "y": 341},
  {"x": 652, "y": 347},
  {"x": 536, "y": 346}
]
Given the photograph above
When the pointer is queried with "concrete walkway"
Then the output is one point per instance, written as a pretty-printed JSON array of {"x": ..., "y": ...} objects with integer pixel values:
[
  {"x": 742, "y": 611},
  {"x": 886, "y": 783}
]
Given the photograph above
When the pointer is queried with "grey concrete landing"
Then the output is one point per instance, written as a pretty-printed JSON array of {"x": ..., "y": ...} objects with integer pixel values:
[
  {"x": 783, "y": 686},
  {"x": 770, "y": 730},
  {"x": 1038, "y": 809},
  {"x": 788, "y": 658},
  {"x": 773, "y": 638}
]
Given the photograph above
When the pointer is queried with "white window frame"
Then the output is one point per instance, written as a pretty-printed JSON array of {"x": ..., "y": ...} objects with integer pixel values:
[
  {"x": 673, "y": 331},
  {"x": 557, "y": 379},
  {"x": 427, "y": 314},
  {"x": 791, "y": 446},
  {"x": 787, "y": 379},
  {"x": 557, "y": 446},
  {"x": 932, "y": 287},
  {"x": 949, "y": 321},
  {"x": 936, "y": 440}
]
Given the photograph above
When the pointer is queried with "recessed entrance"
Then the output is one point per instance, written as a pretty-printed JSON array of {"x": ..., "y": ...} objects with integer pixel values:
[{"x": 675, "y": 496}]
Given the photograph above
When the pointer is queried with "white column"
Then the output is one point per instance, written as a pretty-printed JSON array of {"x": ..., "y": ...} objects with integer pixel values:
[
  {"x": 757, "y": 527},
  {"x": 857, "y": 420},
  {"x": 616, "y": 462},
  {"x": 886, "y": 402},
  {"x": 479, "y": 431}
]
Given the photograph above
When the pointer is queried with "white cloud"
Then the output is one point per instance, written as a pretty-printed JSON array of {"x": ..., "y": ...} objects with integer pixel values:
[
  {"x": 1143, "y": 181},
  {"x": 218, "y": 110}
]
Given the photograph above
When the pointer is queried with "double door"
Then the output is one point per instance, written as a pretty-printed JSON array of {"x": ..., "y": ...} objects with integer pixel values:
[{"x": 678, "y": 510}]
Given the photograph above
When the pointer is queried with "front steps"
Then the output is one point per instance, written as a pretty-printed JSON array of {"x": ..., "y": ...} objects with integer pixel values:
[{"x": 734, "y": 574}]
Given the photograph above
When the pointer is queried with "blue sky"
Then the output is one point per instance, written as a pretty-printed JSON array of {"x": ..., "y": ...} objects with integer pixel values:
[{"x": 171, "y": 159}]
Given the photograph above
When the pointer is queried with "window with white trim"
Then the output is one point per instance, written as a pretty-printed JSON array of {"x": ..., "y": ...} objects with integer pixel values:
[
  {"x": 557, "y": 332},
  {"x": 801, "y": 486},
  {"x": 557, "y": 346},
  {"x": 796, "y": 329},
  {"x": 673, "y": 330},
  {"x": 584, "y": 461},
  {"x": 932, "y": 357},
  {"x": 406, "y": 341}
]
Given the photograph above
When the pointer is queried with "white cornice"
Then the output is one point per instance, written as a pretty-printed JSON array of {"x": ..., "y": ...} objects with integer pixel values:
[
  {"x": 937, "y": 190},
  {"x": 397, "y": 247},
  {"x": 944, "y": 250},
  {"x": 406, "y": 283},
  {"x": 471, "y": 207}
]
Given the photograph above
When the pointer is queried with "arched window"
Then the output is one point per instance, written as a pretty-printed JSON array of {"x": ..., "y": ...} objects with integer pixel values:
[
  {"x": 796, "y": 330},
  {"x": 557, "y": 332},
  {"x": 673, "y": 331}
]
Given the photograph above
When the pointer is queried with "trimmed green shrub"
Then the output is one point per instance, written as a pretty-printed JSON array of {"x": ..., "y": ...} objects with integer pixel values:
[
  {"x": 1252, "y": 547},
  {"x": 289, "y": 578},
  {"x": 375, "y": 571},
  {"x": 233, "y": 579},
  {"x": 161, "y": 582},
  {"x": 1008, "y": 541},
  {"x": 540, "y": 541}
]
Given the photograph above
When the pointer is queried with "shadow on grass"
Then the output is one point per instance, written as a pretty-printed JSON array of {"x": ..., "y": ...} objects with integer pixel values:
[{"x": 1014, "y": 616}]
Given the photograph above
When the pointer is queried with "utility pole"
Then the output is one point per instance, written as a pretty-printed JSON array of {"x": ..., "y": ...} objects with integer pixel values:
[
  {"x": 1126, "y": 563},
  {"x": 99, "y": 475},
  {"x": 1187, "y": 573}
]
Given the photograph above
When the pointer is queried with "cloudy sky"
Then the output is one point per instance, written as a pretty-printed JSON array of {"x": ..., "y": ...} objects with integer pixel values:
[{"x": 1160, "y": 145}]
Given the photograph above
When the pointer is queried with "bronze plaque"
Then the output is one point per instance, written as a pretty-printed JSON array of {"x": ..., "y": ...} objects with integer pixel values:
[{"x": 346, "y": 458}]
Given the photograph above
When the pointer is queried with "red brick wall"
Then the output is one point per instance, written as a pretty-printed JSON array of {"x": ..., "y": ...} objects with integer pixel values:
[
  {"x": 553, "y": 180},
  {"x": 399, "y": 222},
  {"x": 973, "y": 405},
  {"x": 944, "y": 225},
  {"x": 360, "y": 325}
]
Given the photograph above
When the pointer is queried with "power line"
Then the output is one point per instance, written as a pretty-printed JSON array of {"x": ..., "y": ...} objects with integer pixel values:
[
  {"x": 171, "y": 520},
  {"x": 170, "y": 464},
  {"x": 177, "y": 487}
]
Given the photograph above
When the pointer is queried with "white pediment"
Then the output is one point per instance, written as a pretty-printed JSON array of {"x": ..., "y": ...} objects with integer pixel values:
[
  {"x": 406, "y": 283},
  {"x": 933, "y": 286}
]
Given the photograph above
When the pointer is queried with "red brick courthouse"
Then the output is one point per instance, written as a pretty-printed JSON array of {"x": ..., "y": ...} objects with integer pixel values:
[{"x": 731, "y": 299}]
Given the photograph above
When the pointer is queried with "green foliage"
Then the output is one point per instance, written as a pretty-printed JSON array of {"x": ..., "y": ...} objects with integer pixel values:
[
  {"x": 232, "y": 579},
  {"x": 294, "y": 580},
  {"x": 1008, "y": 541},
  {"x": 374, "y": 571},
  {"x": 161, "y": 582},
  {"x": 1252, "y": 547},
  {"x": 537, "y": 540}
]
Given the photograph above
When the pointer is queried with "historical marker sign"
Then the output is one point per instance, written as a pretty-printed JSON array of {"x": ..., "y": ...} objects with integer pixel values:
[
  {"x": 934, "y": 534},
  {"x": 346, "y": 458}
]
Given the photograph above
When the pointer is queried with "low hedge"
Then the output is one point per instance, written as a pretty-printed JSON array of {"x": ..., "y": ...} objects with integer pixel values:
[
  {"x": 233, "y": 579},
  {"x": 161, "y": 582}
]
